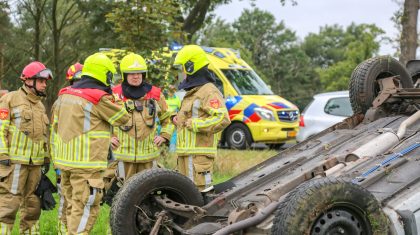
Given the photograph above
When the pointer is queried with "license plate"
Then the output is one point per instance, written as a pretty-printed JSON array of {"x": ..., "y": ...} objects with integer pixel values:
[{"x": 291, "y": 134}]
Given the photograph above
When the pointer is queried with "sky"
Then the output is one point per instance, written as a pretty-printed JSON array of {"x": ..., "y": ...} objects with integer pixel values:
[{"x": 309, "y": 15}]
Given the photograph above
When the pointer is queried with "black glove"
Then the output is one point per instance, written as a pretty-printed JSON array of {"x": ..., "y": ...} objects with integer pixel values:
[
  {"x": 45, "y": 168},
  {"x": 47, "y": 201},
  {"x": 111, "y": 192},
  {"x": 44, "y": 192},
  {"x": 5, "y": 162}
]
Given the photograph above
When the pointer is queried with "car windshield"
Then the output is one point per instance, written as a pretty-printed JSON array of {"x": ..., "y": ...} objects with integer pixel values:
[{"x": 246, "y": 82}]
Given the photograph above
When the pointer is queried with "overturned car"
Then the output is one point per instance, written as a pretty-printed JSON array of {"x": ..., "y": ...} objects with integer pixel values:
[{"x": 360, "y": 176}]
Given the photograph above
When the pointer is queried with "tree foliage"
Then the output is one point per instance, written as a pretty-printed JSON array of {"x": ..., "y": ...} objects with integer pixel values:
[
  {"x": 145, "y": 25},
  {"x": 337, "y": 51}
]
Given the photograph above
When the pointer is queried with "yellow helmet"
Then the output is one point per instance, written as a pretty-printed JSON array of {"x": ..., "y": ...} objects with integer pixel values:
[
  {"x": 99, "y": 67},
  {"x": 133, "y": 63},
  {"x": 192, "y": 58}
]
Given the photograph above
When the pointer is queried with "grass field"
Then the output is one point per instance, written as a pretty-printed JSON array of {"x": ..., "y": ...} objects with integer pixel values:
[{"x": 227, "y": 164}]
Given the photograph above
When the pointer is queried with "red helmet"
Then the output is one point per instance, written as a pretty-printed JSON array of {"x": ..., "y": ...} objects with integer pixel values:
[
  {"x": 36, "y": 70},
  {"x": 74, "y": 72}
]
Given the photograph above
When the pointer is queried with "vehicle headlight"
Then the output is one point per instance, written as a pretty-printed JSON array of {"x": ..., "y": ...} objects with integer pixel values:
[{"x": 265, "y": 114}]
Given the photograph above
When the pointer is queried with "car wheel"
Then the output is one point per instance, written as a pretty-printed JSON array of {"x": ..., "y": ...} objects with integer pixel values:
[
  {"x": 134, "y": 208},
  {"x": 329, "y": 206},
  {"x": 238, "y": 136},
  {"x": 364, "y": 86},
  {"x": 413, "y": 67}
]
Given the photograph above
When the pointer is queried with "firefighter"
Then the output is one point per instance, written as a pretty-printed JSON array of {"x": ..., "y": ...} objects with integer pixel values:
[
  {"x": 139, "y": 141},
  {"x": 202, "y": 114},
  {"x": 23, "y": 150},
  {"x": 82, "y": 119},
  {"x": 74, "y": 74}
]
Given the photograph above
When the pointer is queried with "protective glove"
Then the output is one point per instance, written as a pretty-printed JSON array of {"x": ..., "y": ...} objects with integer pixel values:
[
  {"x": 47, "y": 201},
  {"x": 46, "y": 166},
  {"x": 44, "y": 192}
]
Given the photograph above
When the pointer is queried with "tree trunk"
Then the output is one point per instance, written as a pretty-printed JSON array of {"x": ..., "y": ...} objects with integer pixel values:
[
  {"x": 408, "y": 42},
  {"x": 196, "y": 17}
]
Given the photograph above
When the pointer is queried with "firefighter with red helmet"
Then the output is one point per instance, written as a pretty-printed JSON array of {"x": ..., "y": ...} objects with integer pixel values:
[
  {"x": 80, "y": 135},
  {"x": 23, "y": 150},
  {"x": 146, "y": 104},
  {"x": 74, "y": 73}
]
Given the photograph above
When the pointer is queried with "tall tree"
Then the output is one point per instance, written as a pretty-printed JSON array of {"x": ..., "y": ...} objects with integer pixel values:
[
  {"x": 36, "y": 10},
  {"x": 337, "y": 52},
  {"x": 409, "y": 35},
  {"x": 145, "y": 25}
]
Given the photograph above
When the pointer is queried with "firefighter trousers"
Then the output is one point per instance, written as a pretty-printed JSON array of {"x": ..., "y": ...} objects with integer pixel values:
[
  {"x": 83, "y": 193},
  {"x": 17, "y": 186},
  {"x": 128, "y": 169},
  {"x": 199, "y": 168}
]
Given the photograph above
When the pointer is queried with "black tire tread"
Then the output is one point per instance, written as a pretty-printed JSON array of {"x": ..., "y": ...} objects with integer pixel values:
[
  {"x": 118, "y": 212},
  {"x": 360, "y": 95},
  {"x": 287, "y": 213}
]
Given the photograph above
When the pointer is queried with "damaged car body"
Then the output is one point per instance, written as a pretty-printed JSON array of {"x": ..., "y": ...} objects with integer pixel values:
[{"x": 360, "y": 176}]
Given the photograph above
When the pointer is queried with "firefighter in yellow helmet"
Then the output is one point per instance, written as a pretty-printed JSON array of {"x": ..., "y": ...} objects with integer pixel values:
[
  {"x": 139, "y": 140},
  {"x": 82, "y": 118},
  {"x": 202, "y": 114},
  {"x": 23, "y": 150}
]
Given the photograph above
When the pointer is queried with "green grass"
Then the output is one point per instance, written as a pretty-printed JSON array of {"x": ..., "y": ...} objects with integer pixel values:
[{"x": 227, "y": 164}]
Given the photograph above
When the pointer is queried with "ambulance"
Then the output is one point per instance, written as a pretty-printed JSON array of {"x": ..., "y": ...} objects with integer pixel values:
[{"x": 257, "y": 115}]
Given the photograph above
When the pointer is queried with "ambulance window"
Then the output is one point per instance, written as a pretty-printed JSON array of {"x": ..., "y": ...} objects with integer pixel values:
[
  {"x": 218, "y": 83},
  {"x": 246, "y": 82}
]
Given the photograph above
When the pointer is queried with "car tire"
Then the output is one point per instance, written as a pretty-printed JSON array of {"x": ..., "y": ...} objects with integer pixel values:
[
  {"x": 413, "y": 67},
  {"x": 238, "y": 136},
  {"x": 126, "y": 217},
  {"x": 363, "y": 83},
  {"x": 329, "y": 206}
]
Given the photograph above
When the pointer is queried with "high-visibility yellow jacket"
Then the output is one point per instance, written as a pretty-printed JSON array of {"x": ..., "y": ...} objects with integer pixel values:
[
  {"x": 24, "y": 126},
  {"x": 81, "y": 128},
  {"x": 136, "y": 137},
  {"x": 202, "y": 115},
  {"x": 174, "y": 103}
]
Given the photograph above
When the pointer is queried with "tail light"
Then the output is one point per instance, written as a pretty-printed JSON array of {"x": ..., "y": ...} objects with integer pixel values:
[{"x": 301, "y": 121}]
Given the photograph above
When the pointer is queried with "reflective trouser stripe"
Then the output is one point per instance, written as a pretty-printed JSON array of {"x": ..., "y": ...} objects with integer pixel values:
[
  {"x": 121, "y": 170},
  {"x": 154, "y": 163},
  {"x": 4, "y": 230},
  {"x": 190, "y": 168},
  {"x": 60, "y": 208},
  {"x": 15, "y": 180},
  {"x": 86, "y": 212},
  {"x": 207, "y": 177}
]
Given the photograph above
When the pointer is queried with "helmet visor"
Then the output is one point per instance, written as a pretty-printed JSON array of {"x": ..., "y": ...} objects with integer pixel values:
[
  {"x": 44, "y": 74},
  {"x": 77, "y": 75}
]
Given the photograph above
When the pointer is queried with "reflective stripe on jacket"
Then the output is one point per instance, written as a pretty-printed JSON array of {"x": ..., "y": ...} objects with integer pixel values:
[
  {"x": 81, "y": 130},
  {"x": 136, "y": 137},
  {"x": 202, "y": 115},
  {"x": 23, "y": 125}
]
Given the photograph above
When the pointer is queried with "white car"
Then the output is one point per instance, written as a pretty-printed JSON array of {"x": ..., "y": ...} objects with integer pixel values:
[{"x": 325, "y": 110}]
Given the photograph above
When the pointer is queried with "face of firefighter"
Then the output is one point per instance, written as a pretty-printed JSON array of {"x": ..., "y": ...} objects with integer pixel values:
[
  {"x": 40, "y": 85},
  {"x": 134, "y": 79}
]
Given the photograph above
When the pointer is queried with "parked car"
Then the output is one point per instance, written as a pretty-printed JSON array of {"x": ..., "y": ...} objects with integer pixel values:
[{"x": 325, "y": 110}]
